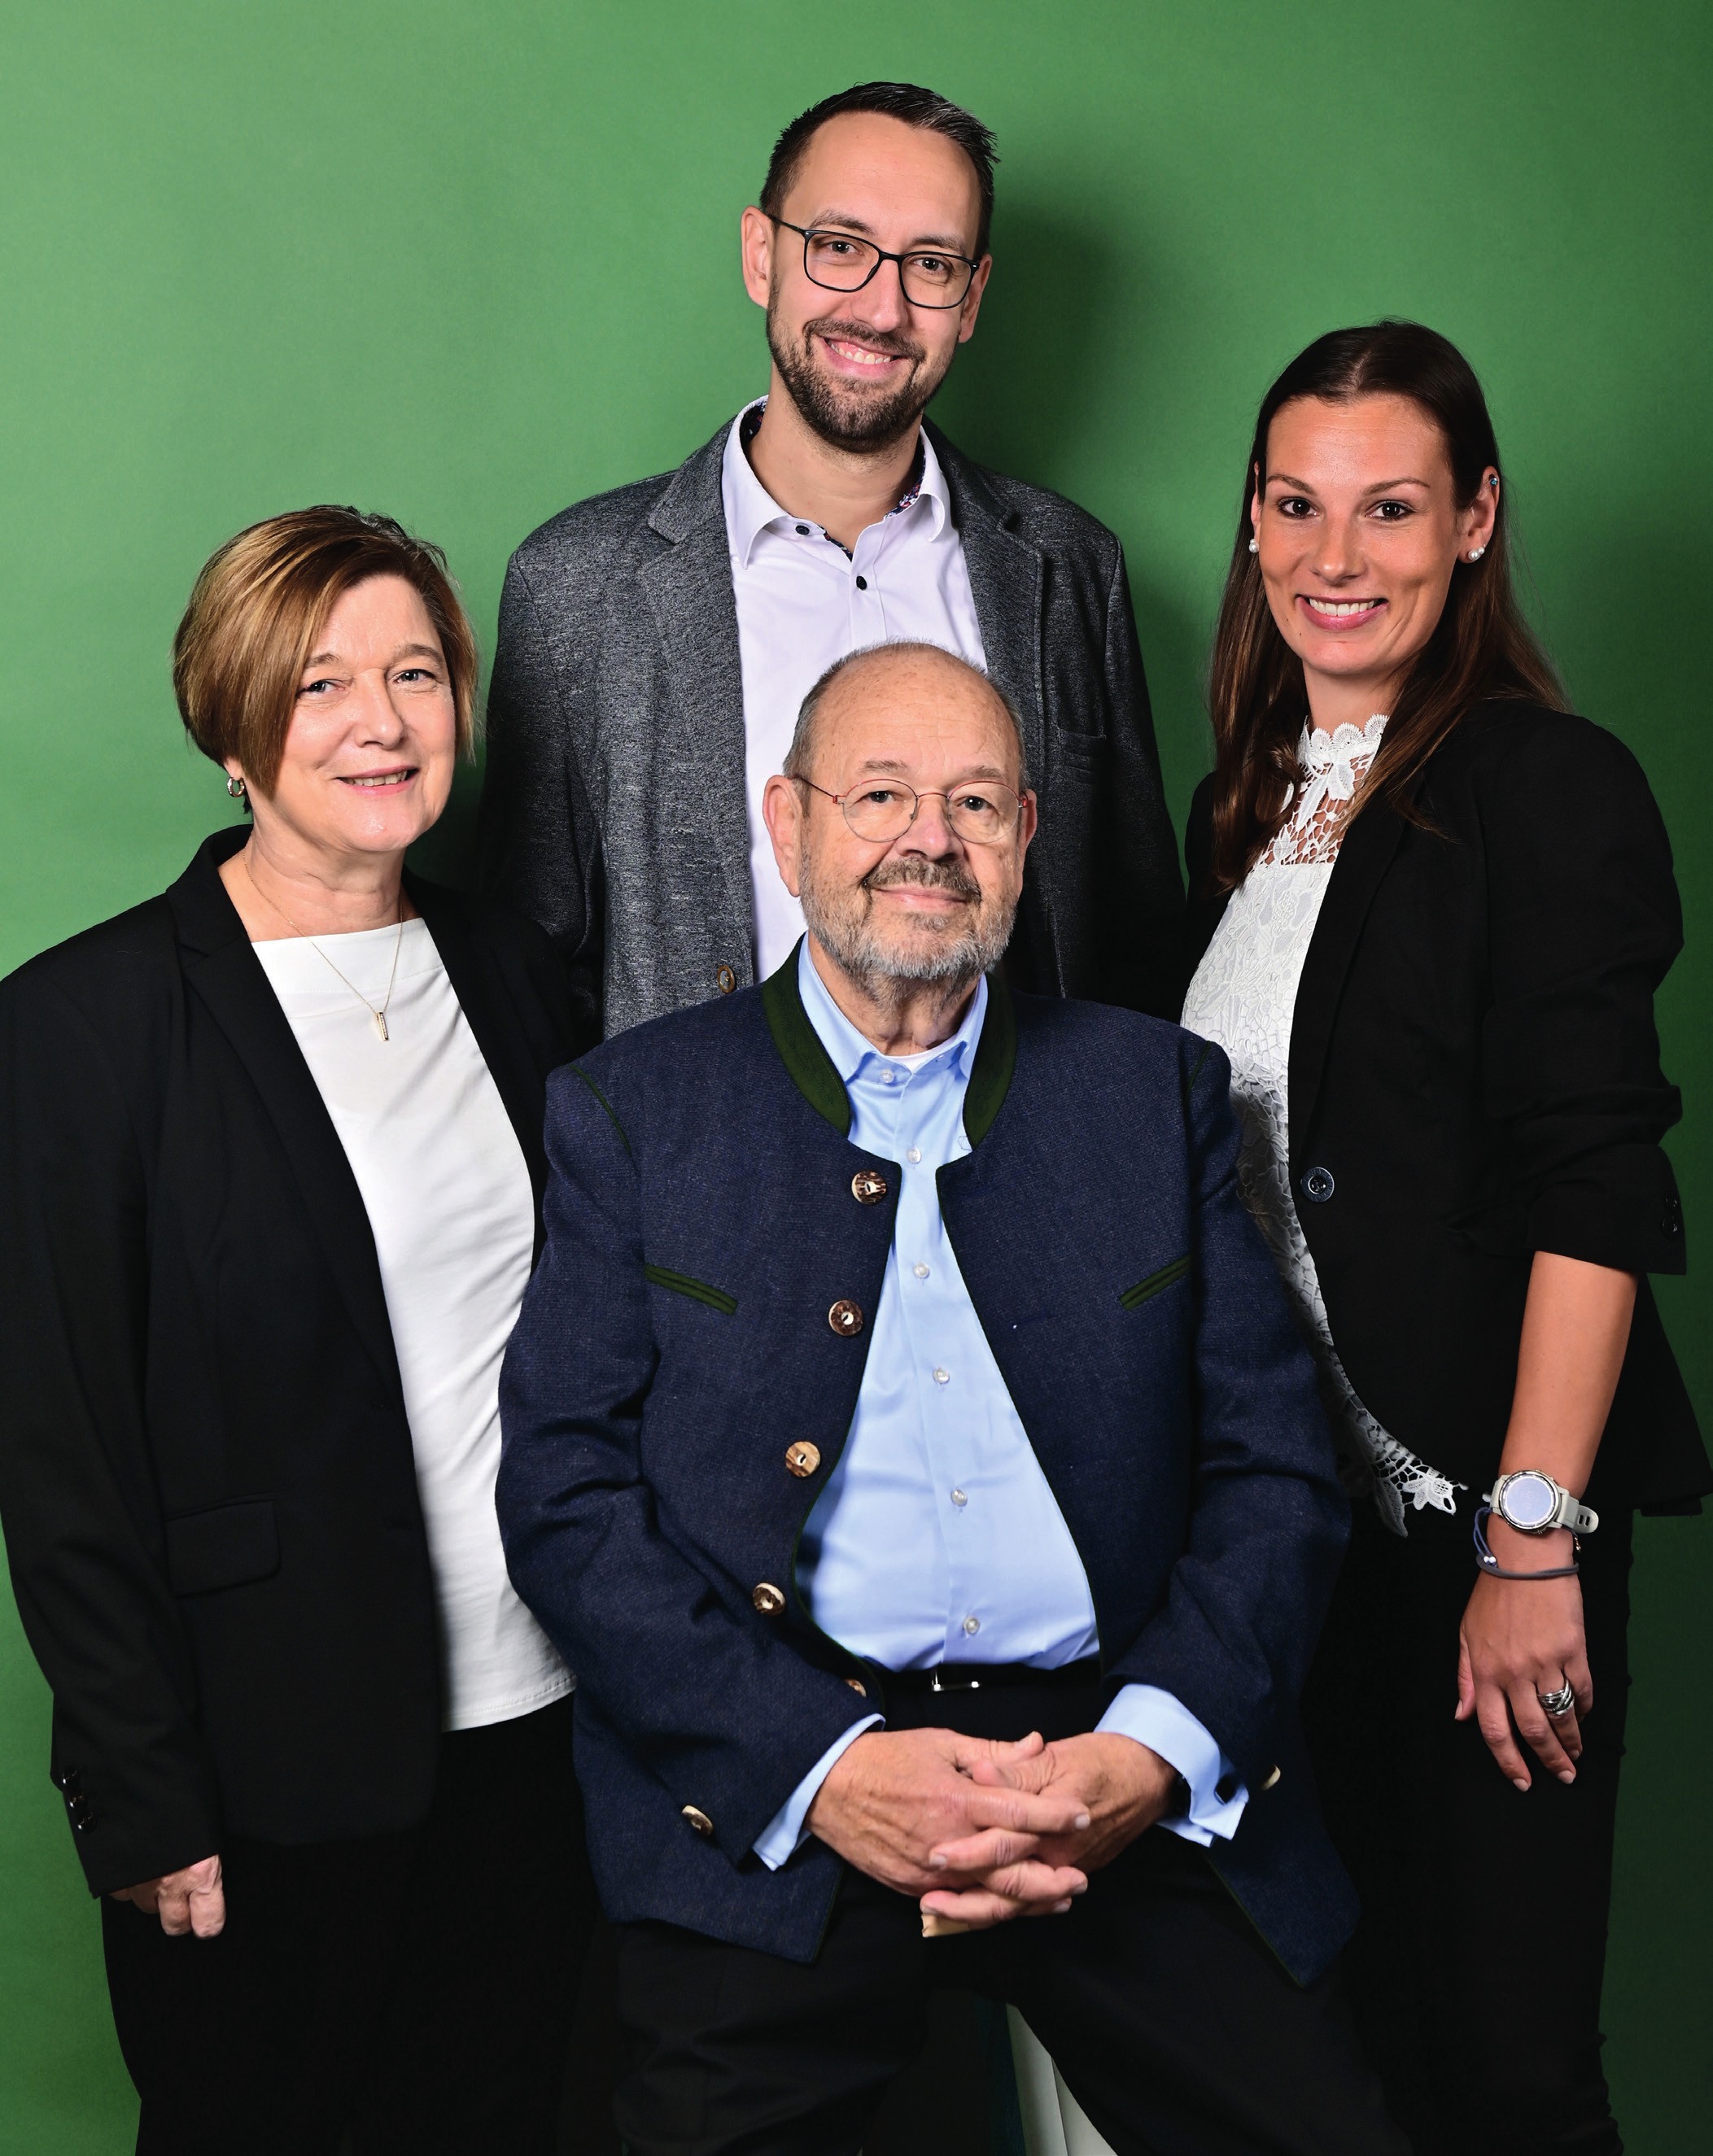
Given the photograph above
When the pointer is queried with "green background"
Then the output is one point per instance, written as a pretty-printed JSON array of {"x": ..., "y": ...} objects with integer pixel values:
[{"x": 467, "y": 262}]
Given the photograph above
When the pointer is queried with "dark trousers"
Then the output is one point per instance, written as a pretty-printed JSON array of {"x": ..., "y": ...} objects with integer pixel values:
[
  {"x": 407, "y": 1992},
  {"x": 1166, "y": 2013},
  {"x": 1477, "y": 1969}
]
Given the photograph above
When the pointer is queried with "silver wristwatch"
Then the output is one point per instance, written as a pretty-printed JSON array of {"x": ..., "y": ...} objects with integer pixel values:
[{"x": 1534, "y": 1504}]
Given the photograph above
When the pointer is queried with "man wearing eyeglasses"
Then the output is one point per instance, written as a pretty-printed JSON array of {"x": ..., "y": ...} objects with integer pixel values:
[
  {"x": 654, "y": 643},
  {"x": 907, "y": 1442}
]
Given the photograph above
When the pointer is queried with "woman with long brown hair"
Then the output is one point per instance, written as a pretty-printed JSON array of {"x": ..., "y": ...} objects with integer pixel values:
[{"x": 1433, "y": 909}]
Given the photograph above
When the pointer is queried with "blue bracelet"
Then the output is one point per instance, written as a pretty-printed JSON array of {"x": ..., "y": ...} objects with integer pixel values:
[{"x": 1486, "y": 1562}]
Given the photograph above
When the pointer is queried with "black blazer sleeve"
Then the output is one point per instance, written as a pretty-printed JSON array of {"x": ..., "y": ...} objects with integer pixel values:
[
  {"x": 539, "y": 845},
  {"x": 76, "y": 1487},
  {"x": 1583, "y": 923}
]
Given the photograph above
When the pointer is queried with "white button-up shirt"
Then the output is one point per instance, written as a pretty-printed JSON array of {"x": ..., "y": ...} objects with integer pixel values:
[{"x": 803, "y": 603}]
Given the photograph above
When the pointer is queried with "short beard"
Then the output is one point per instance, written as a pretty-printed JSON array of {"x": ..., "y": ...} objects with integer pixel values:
[
  {"x": 843, "y": 925},
  {"x": 843, "y": 419}
]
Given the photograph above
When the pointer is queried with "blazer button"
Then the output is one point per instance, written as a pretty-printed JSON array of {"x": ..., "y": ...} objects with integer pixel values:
[
  {"x": 1317, "y": 1185},
  {"x": 725, "y": 980},
  {"x": 857, "y": 1685},
  {"x": 1271, "y": 1778},
  {"x": 69, "y": 1778},
  {"x": 700, "y": 1820},
  {"x": 868, "y": 1186},
  {"x": 768, "y": 1598},
  {"x": 1671, "y": 1220},
  {"x": 803, "y": 1459},
  {"x": 845, "y": 1318}
]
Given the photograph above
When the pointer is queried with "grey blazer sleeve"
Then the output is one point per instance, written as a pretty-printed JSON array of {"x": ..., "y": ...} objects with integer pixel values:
[
  {"x": 1142, "y": 901},
  {"x": 540, "y": 847}
]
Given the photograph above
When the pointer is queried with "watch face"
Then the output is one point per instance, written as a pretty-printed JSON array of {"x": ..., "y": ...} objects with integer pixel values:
[{"x": 1529, "y": 1502}]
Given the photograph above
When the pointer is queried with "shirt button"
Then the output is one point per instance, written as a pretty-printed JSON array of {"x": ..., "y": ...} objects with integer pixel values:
[
  {"x": 862, "y": 583},
  {"x": 920, "y": 1271},
  {"x": 942, "y": 1377},
  {"x": 914, "y": 1154},
  {"x": 972, "y": 1625},
  {"x": 960, "y": 1497},
  {"x": 802, "y": 530},
  {"x": 888, "y": 1077}
]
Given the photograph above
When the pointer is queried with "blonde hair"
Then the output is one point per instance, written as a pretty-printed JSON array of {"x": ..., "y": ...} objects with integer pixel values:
[{"x": 259, "y": 608}]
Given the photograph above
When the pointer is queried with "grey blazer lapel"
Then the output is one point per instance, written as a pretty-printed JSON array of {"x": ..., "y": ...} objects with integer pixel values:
[
  {"x": 1005, "y": 580},
  {"x": 688, "y": 586}
]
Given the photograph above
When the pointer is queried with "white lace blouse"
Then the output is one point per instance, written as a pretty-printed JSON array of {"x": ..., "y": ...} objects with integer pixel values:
[{"x": 1244, "y": 997}]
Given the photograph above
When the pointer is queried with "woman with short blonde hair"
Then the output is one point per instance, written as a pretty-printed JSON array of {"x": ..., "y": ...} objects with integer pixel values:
[{"x": 269, "y": 1169}]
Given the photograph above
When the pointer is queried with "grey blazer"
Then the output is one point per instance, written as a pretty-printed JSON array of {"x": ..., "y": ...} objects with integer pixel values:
[{"x": 614, "y": 809}]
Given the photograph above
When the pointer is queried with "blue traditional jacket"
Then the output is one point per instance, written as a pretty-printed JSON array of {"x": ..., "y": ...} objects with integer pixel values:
[{"x": 686, "y": 1365}]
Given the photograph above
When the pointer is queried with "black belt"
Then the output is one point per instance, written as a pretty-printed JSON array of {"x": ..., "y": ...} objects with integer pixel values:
[{"x": 991, "y": 1676}]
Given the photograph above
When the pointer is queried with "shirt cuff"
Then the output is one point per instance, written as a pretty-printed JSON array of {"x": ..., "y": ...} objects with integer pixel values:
[
  {"x": 785, "y": 1833},
  {"x": 1165, "y": 1724}
]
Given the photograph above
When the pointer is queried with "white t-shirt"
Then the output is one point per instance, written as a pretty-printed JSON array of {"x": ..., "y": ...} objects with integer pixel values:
[{"x": 445, "y": 1184}]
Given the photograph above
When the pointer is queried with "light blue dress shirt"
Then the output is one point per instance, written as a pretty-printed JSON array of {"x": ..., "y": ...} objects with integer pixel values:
[{"x": 938, "y": 1538}]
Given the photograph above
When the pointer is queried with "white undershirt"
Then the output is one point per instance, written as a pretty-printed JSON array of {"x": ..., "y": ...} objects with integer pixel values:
[
  {"x": 803, "y": 603},
  {"x": 444, "y": 1184}
]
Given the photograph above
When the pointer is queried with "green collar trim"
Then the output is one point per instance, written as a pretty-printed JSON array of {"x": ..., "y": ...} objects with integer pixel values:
[
  {"x": 816, "y": 1078},
  {"x": 813, "y": 1071},
  {"x": 996, "y": 1060}
]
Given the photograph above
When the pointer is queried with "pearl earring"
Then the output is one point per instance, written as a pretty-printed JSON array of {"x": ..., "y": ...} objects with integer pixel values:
[
  {"x": 1477, "y": 553},
  {"x": 1254, "y": 545}
]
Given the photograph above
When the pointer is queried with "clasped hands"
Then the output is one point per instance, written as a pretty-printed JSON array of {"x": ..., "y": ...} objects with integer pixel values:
[{"x": 982, "y": 1831}]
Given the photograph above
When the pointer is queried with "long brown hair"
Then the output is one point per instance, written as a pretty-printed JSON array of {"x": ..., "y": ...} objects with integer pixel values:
[{"x": 1481, "y": 647}]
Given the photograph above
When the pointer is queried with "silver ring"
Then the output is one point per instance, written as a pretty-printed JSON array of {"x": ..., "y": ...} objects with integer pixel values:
[{"x": 1557, "y": 1702}]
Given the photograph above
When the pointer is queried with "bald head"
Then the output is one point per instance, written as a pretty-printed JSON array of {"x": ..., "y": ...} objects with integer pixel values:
[{"x": 914, "y": 684}]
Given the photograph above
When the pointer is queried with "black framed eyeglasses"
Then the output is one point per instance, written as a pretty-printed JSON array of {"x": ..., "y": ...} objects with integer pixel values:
[
  {"x": 840, "y": 262},
  {"x": 883, "y": 809}
]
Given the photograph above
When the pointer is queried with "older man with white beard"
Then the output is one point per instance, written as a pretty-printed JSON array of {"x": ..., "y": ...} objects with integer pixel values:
[{"x": 907, "y": 1442}]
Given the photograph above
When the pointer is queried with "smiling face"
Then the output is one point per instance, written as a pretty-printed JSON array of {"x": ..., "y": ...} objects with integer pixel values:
[
  {"x": 861, "y": 366},
  {"x": 927, "y": 906},
  {"x": 373, "y": 735},
  {"x": 1359, "y": 533}
]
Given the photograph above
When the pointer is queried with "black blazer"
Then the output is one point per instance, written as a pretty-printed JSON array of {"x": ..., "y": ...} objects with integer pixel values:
[
  {"x": 1474, "y": 1076},
  {"x": 206, "y": 1473}
]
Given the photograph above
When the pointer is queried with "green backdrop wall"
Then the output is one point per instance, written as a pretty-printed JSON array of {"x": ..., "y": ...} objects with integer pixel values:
[{"x": 466, "y": 260}]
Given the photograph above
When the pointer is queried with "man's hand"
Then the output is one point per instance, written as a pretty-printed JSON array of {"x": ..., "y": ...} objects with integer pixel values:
[
  {"x": 192, "y": 1900},
  {"x": 1118, "y": 1785},
  {"x": 893, "y": 1797}
]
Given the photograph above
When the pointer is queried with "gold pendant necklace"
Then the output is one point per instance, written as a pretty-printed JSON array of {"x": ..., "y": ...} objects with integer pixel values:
[{"x": 378, "y": 1016}]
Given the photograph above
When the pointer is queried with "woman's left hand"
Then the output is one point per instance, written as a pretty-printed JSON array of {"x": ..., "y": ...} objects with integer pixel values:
[{"x": 1521, "y": 1638}]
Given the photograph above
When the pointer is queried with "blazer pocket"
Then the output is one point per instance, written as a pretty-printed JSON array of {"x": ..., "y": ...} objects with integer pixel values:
[
  {"x": 1076, "y": 755},
  {"x": 224, "y": 1546},
  {"x": 1155, "y": 1282},
  {"x": 716, "y": 1298}
]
